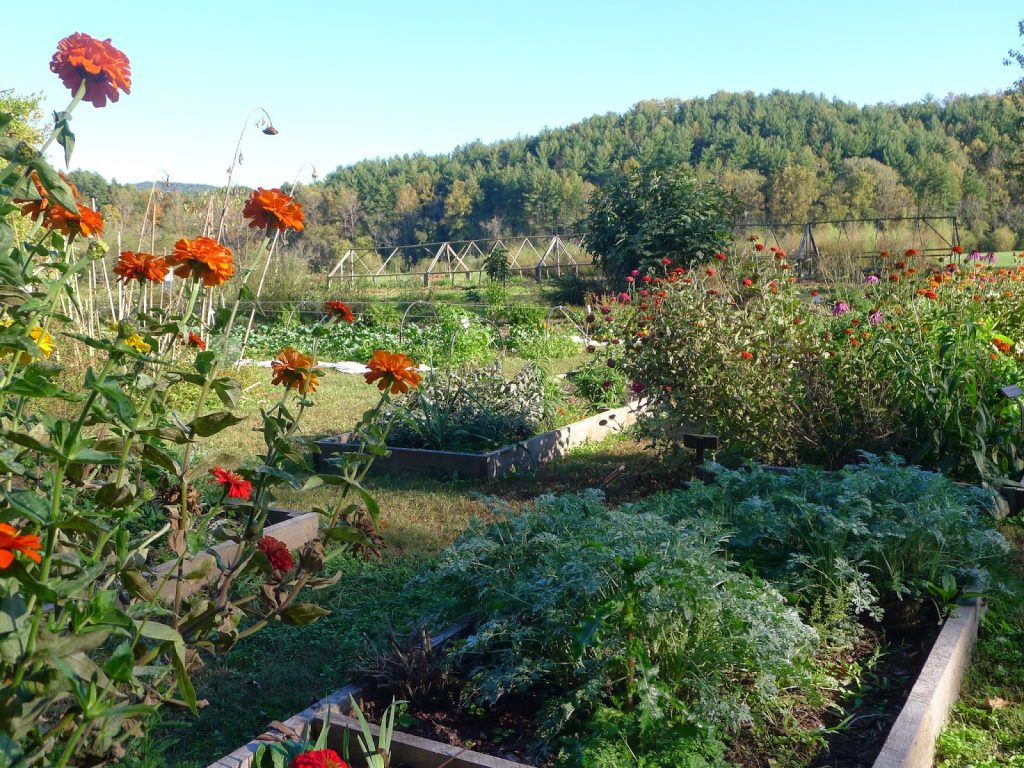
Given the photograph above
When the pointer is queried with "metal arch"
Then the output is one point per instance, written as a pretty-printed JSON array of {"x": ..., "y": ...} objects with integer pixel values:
[{"x": 401, "y": 328}]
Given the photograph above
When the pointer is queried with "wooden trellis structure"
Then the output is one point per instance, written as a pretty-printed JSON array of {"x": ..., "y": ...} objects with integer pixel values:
[
  {"x": 816, "y": 248},
  {"x": 538, "y": 255}
]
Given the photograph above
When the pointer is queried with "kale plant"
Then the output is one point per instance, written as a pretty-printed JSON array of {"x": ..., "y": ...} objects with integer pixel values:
[
  {"x": 873, "y": 536},
  {"x": 470, "y": 410},
  {"x": 586, "y": 608}
]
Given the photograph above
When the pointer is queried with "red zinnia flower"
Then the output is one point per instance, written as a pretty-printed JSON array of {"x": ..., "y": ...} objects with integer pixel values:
[
  {"x": 339, "y": 310},
  {"x": 958, "y": 249},
  {"x": 104, "y": 69},
  {"x": 911, "y": 252},
  {"x": 721, "y": 256},
  {"x": 237, "y": 486},
  {"x": 195, "y": 340},
  {"x": 273, "y": 209},
  {"x": 12, "y": 541},
  {"x": 746, "y": 355},
  {"x": 324, "y": 758},
  {"x": 747, "y": 282},
  {"x": 278, "y": 555},
  {"x": 759, "y": 246}
]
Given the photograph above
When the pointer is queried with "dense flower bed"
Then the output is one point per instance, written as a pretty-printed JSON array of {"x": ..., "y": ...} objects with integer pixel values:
[{"x": 911, "y": 360}]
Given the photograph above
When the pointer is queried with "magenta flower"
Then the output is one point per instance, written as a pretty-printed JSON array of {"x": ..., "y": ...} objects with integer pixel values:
[
  {"x": 841, "y": 308},
  {"x": 871, "y": 279},
  {"x": 876, "y": 318}
]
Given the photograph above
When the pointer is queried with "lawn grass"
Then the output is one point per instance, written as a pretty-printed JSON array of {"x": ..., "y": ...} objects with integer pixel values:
[
  {"x": 341, "y": 399},
  {"x": 987, "y": 724}
]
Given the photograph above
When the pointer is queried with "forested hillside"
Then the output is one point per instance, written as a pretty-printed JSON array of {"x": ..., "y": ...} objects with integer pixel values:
[{"x": 785, "y": 156}]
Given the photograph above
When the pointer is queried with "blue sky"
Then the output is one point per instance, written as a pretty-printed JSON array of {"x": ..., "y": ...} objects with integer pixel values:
[{"x": 347, "y": 80}]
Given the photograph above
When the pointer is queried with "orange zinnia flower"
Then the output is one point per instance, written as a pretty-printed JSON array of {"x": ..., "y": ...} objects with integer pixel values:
[
  {"x": 140, "y": 266},
  {"x": 1002, "y": 346},
  {"x": 86, "y": 222},
  {"x": 202, "y": 258},
  {"x": 55, "y": 216},
  {"x": 339, "y": 310},
  {"x": 911, "y": 252},
  {"x": 391, "y": 369},
  {"x": 295, "y": 370},
  {"x": 104, "y": 69},
  {"x": 195, "y": 340},
  {"x": 35, "y": 208},
  {"x": 272, "y": 208},
  {"x": 746, "y": 355},
  {"x": 12, "y": 541}
]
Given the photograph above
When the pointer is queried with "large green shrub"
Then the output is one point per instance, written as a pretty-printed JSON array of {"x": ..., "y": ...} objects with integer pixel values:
[{"x": 656, "y": 211}]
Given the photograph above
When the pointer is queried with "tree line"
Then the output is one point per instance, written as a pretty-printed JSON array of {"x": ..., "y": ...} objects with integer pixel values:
[{"x": 785, "y": 157}]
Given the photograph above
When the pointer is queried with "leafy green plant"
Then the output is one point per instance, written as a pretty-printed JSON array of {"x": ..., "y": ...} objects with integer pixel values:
[
  {"x": 601, "y": 382},
  {"x": 657, "y": 210},
  {"x": 92, "y": 644},
  {"x": 377, "y": 755},
  {"x": 496, "y": 266},
  {"x": 470, "y": 410},
  {"x": 588, "y": 609},
  {"x": 872, "y": 538}
]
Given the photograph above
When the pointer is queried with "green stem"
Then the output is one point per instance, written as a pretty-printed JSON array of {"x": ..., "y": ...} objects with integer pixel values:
[{"x": 72, "y": 743}]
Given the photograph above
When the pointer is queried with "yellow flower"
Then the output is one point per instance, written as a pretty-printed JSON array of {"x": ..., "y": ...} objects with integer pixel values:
[
  {"x": 136, "y": 342},
  {"x": 43, "y": 340}
]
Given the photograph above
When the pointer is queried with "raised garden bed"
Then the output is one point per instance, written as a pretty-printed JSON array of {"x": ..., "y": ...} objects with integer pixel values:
[
  {"x": 289, "y": 526},
  {"x": 519, "y": 457},
  {"x": 911, "y": 740},
  {"x": 910, "y": 743}
]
